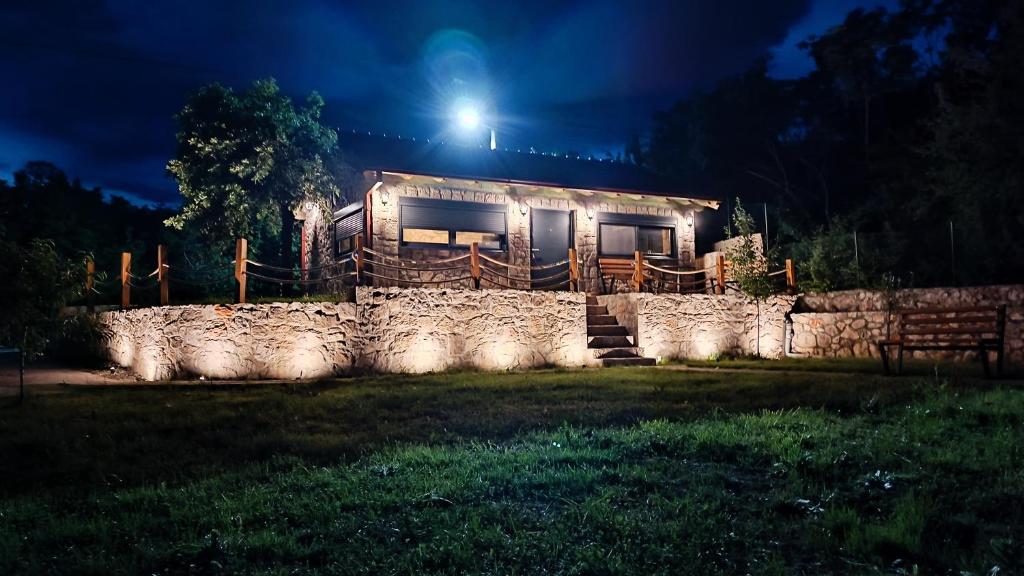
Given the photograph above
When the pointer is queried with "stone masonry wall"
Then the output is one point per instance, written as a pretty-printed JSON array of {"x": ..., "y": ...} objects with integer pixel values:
[
  {"x": 849, "y": 323},
  {"x": 234, "y": 341},
  {"x": 385, "y": 237},
  {"x": 417, "y": 330},
  {"x": 698, "y": 326},
  {"x": 388, "y": 330}
]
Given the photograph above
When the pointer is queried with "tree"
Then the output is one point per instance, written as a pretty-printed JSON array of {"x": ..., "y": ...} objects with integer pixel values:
[
  {"x": 750, "y": 262},
  {"x": 37, "y": 282},
  {"x": 245, "y": 160}
]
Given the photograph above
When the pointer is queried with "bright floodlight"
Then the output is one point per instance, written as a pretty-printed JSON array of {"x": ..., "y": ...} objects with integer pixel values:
[{"x": 469, "y": 118}]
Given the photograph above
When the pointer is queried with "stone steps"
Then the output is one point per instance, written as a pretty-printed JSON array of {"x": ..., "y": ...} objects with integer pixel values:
[
  {"x": 607, "y": 330},
  {"x": 610, "y": 342},
  {"x": 635, "y": 361}
]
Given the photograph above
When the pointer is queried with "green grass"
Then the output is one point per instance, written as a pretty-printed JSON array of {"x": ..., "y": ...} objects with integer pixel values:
[
  {"x": 586, "y": 472},
  {"x": 911, "y": 367}
]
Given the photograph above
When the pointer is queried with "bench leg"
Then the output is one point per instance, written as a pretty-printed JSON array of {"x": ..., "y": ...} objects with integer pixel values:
[
  {"x": 885, "y": 358},
  {"x": 999, "y": 360},
  {"x": 984, "y": 361},
  {"x": 899, "y": 359}
]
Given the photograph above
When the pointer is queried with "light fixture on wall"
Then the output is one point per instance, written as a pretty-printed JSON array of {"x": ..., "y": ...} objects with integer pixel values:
[
  {"x": 590, "y": 211},
  {"x": 522, "y": 207},
  {"x": 689, "y": 219},
  {"x": 385, "y": 195}
]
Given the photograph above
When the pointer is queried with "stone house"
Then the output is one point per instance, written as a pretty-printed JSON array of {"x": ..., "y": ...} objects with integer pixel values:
[{"x": 425, "y": 201}]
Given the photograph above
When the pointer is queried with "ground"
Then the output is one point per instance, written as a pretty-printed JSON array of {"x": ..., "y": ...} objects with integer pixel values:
[{"x": 616, "y": 471}]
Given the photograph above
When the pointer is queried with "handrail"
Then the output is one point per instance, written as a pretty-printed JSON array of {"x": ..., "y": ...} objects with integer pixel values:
[
  {"x": 441, "y": 261},
  {"x": 650, "y": 266},
  {"x": 397, "y": 267}
]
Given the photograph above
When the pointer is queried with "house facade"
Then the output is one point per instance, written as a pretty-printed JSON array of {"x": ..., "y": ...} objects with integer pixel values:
[{"x": 423, "y": 202}]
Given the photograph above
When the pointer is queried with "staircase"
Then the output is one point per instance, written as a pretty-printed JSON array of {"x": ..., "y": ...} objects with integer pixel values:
[{"x": 610, "y": 342}]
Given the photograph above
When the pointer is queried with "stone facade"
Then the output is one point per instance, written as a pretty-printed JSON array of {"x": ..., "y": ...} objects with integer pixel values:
[
  {"x": 234, "y": 341},
  {"x": 699, "y": 326},
  {"x": 385, "y": 220},
  {"x": 389, "y": 330},
  {"x": 849, "y": 323},
  {"x": 421, "y": 330}
]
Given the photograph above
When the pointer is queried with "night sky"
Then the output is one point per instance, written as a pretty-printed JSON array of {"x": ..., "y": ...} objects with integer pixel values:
[{"x": 92, "y": 85}]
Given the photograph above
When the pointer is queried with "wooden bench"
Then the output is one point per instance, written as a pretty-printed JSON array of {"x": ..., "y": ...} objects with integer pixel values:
[
  {"x": 980, "y": 328},
  {"x": 612, "y": 269}
]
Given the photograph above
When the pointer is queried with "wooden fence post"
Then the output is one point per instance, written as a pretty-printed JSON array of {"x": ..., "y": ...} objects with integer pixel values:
[
  {"x": 126, "y": 270},
  {"x": 790, "y": 276},
  {"x": 241, "y": 257},
  {"x": 161, "y": 273},
  {"x": 474, "y": 264},
  {"x": 574, "y": 271},
  {"x": 358, "y": 255},
  {"x": 720, "y": 289},
  {"x": 90, "y": 283},
  {"x": 638, "y": 270}
]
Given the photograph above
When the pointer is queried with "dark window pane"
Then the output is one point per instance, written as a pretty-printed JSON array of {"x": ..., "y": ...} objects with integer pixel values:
[
  {"x": 617, "y": 239},
  {"x": 655, "y": 241}
]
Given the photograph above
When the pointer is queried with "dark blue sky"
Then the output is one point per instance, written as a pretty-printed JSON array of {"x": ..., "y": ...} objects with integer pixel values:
[{"x": 92, "y": 84}]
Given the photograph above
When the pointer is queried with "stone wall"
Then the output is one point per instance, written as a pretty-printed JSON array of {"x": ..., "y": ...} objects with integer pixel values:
[
  {"x": 849, "y": 323},
  {"x": 699, "y": 326},
  {"x": 385, "y": 236},
  {"x": 234, "y": 341},
  {"x": 387, "y": 330},
  {"x": 419, "y": 330}
]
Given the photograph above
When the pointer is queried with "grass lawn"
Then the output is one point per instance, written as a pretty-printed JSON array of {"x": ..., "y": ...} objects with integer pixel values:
[{"x": 618, "y": 471}]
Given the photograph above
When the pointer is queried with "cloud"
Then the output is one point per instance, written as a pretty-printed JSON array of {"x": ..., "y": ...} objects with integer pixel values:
[{"x": 93, "y": 85}]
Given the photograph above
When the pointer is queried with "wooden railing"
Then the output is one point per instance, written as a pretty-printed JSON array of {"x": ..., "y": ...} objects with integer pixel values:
[
  {"x": 476, "y": 270},
  {"x": 363, "y": 266}
]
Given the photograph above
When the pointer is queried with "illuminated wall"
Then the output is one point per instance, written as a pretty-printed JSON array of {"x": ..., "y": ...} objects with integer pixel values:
[
  {"x": 699, "y": 326},
  {"x": 389, "y": 330}
]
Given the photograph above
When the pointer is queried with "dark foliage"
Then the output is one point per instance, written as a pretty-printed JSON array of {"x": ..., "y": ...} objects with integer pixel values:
[{"x": 911, "y": 121}]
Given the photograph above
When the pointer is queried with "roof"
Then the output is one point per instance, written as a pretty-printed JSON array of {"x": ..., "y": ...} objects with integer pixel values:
[{"x": 432, "y": 158}]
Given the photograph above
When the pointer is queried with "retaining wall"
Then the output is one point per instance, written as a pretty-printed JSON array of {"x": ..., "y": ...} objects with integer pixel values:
[
  {"x": 699, "y": 326},
  {"x": 388, "y": 330}
]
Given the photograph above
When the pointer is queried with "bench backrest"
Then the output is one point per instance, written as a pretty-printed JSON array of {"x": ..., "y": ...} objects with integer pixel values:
[
  {"x": 616, "y": 266},
  {"x": 952, "y": 324}
]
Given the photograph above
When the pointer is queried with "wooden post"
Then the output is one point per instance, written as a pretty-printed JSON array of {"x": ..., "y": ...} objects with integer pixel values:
[
  {"x": 638, "y": 270},
  {"x": 358, "y": 255},
  {"x": 720, "y": 289},
  {"x": 790, "y": 276},
  {"x": 574, "y": 271},
  {"x": 90, "y": 283},
  {"x": 474, "y": 263},
  {"x": 161, "y": 273},
  {"x": 241, "y": 256},
  {"x": 126, "y": 270}
]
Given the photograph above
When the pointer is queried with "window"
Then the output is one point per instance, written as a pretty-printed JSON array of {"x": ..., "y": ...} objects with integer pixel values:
[
  {"x": 348, "y": 223},
  {"x": 425, "y": 236},
  {"x": 451, "y": 223},
  {"x": 624, "y": 234},
  {"x": 654, "y": 240},
  {"x": 618, "y": 239}
]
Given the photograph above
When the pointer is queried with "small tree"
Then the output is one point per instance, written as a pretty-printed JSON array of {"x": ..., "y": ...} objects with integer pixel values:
[
  {"x": 750, "y": 262},
  {"x": 37, "y": 283}
]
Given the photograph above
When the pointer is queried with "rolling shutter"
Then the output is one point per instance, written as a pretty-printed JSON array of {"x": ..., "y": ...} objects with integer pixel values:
[
  {"x": 452, "y": 215},
  {"x": 349, "y": 221}
]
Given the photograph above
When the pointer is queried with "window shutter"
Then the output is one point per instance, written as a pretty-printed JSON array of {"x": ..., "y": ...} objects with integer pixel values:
[{"x": 452, "y": 215}]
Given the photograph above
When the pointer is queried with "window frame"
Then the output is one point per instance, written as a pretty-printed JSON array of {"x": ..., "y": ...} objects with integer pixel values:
[
  {"x": 346, "y": 212},
  {"x": 637, "y": 221},
  {"x": 454, "y": 205}
]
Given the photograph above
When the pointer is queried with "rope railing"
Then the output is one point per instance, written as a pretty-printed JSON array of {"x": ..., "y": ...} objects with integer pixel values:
[{"x": 365, "y": 265}]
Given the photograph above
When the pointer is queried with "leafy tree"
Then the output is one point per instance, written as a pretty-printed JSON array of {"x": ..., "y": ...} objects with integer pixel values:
[
  {"x": 37, "y": 283},
  {"x": 244, "y": 161}
]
